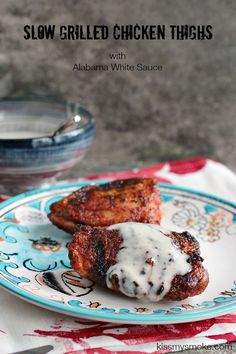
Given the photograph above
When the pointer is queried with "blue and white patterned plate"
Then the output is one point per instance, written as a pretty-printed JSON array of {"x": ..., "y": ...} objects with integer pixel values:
[{"x": 34, "y": 264}]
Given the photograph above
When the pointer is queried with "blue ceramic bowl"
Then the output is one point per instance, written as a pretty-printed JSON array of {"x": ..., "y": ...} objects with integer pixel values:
[{"x": 30, "y": 155}]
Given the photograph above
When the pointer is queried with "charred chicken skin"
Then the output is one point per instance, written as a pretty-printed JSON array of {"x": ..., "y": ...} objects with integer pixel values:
[
  {"x": 94, "y": 250},
  {"x": 136, "y": 199}
]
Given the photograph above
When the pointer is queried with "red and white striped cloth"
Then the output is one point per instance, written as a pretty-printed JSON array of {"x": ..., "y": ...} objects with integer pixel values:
[{"x": 68, "y": 335}]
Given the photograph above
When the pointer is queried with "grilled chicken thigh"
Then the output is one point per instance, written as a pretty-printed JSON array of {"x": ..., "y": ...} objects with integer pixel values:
[
  {"x": 95, "y": 253},
  {"x": 136, "y": 199}
]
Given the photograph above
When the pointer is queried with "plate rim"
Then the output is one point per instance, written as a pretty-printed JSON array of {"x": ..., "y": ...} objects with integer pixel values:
[
  {"x": 89, "y": 313},
  {"x": 117, "y": 317}
]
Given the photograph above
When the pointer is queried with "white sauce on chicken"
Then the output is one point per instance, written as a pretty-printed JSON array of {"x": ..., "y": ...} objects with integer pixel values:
[{"x": 147, "y": 261}]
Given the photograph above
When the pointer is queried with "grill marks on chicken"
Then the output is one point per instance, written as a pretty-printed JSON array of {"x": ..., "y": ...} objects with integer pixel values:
[
  {"x": 94, "y": 250},
  {"x": 92, "y": 213},
  {"x": 136, "y": 199}
]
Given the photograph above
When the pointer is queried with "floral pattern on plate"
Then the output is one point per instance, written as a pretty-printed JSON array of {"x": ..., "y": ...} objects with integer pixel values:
[{"x": 209, "y": 221}]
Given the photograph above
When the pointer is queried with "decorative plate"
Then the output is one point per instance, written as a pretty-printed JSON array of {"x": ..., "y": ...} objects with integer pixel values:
[{"x": 34, "y": 264}]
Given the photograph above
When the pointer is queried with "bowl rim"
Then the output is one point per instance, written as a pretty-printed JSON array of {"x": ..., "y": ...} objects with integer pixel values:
[{"x": 47, "y": 139}]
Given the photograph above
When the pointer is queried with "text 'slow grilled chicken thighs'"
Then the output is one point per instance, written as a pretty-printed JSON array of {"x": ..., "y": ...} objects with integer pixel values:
[
  {"x": 136, "y": 199},
  {"x": 140, "y": 260}
]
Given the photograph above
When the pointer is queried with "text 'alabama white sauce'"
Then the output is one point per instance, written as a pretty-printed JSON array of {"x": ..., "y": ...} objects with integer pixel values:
[{"x": 147, "y": 261}]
